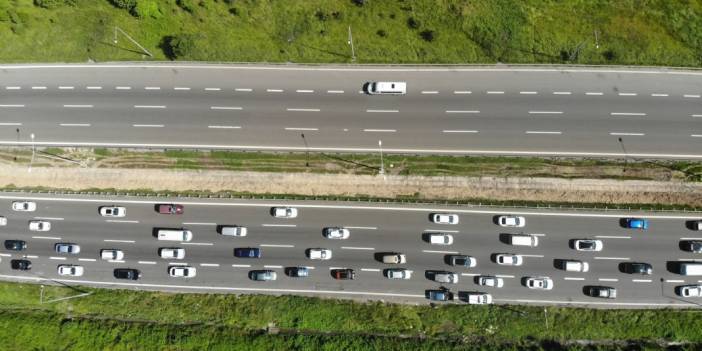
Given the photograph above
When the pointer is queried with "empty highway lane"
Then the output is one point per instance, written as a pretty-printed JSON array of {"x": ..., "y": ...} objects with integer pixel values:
[
  {"x": 374, "y": 229},
  {"x": 614, "y": 112}
]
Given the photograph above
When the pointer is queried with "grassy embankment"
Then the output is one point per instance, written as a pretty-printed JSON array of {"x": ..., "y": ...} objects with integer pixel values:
[
  {"x": 120, "y": 319},
  {"x": 650, "y": 32}
]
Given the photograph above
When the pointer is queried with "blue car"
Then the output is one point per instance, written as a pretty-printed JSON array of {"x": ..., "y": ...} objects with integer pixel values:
[
  {"x": 247, "y": 252},
  {"x": 439, "y": 295},
  {"x": 637, "y": 223}
]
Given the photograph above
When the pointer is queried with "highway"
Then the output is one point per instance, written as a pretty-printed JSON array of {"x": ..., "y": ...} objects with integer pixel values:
[
  {"x": 490, "y": 110},
  {"x": 375, "y": 228}
]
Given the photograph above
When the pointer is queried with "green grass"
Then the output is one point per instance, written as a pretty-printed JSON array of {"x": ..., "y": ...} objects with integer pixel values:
[
  {"x": 252, "y": 313},
  {"x": 638, "y": 32}
]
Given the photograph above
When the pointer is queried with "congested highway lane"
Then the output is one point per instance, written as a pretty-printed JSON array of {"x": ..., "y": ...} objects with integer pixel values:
[
  {"x": 374, "y": 229},
  {"x": 449, "y": 110}
]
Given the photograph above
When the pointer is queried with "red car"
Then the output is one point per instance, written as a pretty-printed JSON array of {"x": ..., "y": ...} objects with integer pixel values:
[
  {"x": 343, "y": 274},
  {"x": 169, "y": 209}
]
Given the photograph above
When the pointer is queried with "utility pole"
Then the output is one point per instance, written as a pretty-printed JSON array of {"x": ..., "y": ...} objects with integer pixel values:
[
  {"x": 597, "y": 43},
  {"x": 31, "y": 136},
  {"x": 132, "y": 40},
  {"x": 307, "y": 150},
  {"x": 350, "y": 42},
  {"x": 382, "y": 167}
]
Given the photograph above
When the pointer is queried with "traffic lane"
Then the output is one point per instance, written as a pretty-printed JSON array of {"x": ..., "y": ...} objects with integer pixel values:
[
  {"x": 472, "y": 139},
  {"x": 458, "y": 77},
  {"x": 321, "y": 279}
]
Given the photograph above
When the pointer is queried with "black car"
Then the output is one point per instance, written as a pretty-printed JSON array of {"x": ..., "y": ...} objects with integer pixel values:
[
  {"x": 693, "y": 246},
  {"x": 247, "y": 252},
  {"x": 127, "y": 273},
  {"x": 638, "y": 268},
  {"x": 15, "y": 245},
  {"x": 21, "y": 265},
  {"x": 343, "y": 274}
]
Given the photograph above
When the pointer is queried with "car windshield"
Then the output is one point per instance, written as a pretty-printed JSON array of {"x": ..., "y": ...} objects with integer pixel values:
[{"x": 587, "y": 244}]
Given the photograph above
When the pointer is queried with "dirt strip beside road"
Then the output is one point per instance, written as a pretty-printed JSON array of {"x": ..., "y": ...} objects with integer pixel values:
[{"x": 442, "y": 187}]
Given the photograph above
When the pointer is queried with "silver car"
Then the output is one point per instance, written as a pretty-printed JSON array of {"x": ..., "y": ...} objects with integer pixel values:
[
  {"x": 68, "y": 248},
  {"x": 446, "y": 277}
]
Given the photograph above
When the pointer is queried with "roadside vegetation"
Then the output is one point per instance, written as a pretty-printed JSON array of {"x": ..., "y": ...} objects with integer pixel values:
[
  {"x": 121, "y": 319},
  {"x": 637, "y": 32},
  {"x": 362, "y": 164}
]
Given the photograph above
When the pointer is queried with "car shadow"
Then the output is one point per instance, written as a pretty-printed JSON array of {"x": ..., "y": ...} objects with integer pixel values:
[
  {"x": 622, "y": 222},
  {"x": 430, "y": 274},
  {"x": 496, "y": 219},
  {"x": 673, "y": 266},
  {"x": 623, "y": 267},
  {"x": 690, "y": 224},
  {"x": 559, "y": 263},
  {"x": 505, "y": 238},
  {"x": 684, "y": 245}
]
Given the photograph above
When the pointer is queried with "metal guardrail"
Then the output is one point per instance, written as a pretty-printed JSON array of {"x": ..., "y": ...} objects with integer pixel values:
[{"x": 369, "y": 199}]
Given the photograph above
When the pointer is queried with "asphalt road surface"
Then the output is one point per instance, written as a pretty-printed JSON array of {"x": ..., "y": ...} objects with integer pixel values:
[
  {"x": 375, "y": 228},
  {"x": 612, "y": 112}
]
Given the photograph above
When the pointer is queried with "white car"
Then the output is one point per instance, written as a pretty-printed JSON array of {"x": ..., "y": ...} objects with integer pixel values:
[
  {"x": 446, "y": 277},
  {"x": 690, "y": 290},
  {"x": 3, "y": 221},
  {"x": 284, "y": 212},
  {"x": 444, "y": 218},
  {"x": 319, "y": 254},
  {"x": 25, "y": 206},
  {"x": 67, "y": 248},
  {"x": 111, "y": 254},
  {"x": 172, "y": 253},
  {"x": 588, "y": 245},
  {"x": 476, "y": 298},
  {"x": 539, "y": 283},
  {"x": 336, "y": 233},
  {"x": 491, "y": 281},
  {"x": 69, "y": 269},
  {"x": 506, "y": 259},
  {"x": 39, "y": 226},
  {"x": 511, "y": 221},
  {"x": 398, "y": 273},
  {"x": 181, "y": 271},
  {"x": 440, "y": 239},
  {"x": 113, "y": 211}
]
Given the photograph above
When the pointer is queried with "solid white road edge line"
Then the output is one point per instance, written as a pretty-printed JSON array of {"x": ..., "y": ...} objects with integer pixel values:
[{"x": 347, "y": 207}]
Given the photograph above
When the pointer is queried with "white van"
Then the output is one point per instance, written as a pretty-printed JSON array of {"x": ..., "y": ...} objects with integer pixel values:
[
  {"x": 396, "y": 88},
  {"x": 175, "y": 234},
  {"x": 524, "y": 240},
  {"x": 575, "y": 266},
  {"x": 691, "y": 268}
]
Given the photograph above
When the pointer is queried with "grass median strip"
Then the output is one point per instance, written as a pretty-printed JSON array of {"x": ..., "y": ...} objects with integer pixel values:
[{"x": 364, "y": 164}]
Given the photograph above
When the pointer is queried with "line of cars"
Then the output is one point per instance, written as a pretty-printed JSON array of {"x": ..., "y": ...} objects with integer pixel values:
[
  {"x": 570, "y": 265},
  {"x": 538, "y": 282}
]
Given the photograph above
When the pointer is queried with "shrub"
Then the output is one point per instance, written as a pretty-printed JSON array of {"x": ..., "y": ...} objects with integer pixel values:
[
  {"x": 609, "y": 55},
  {"x": 359, "y": 3},
  {"x": 234, "y": 11},
  {"x": 321, "y": 16},
  {"x": 124, "y": 4},
  {"x": 413, "y": 23},
  {"x": 146, "y": 8},
  {"x": 381, "y": 33},
  {"x": 52, "y": 4},
  {"x": 427, "y": 35},
  {"x": 338, "y": 15},
  {"x": 186, "y": 5},
  {"x": 180, "y": 46}
]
